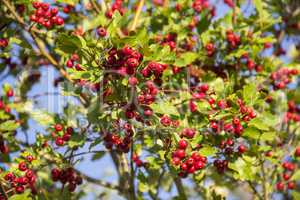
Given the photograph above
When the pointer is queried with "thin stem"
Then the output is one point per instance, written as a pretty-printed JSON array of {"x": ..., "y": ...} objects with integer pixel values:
[{"x": 137, "y": 15}]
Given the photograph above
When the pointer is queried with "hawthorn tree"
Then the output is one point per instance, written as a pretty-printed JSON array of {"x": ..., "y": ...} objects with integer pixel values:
[{"x": 190, "y": 99}]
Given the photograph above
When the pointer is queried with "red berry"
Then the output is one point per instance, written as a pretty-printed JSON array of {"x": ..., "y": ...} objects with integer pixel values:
[
  {"x": 101, "y": 32},
  {"x": 59, "y": 21},
  {"x": 132, "y": 62},
  {"x": 182, "y": 144},
  {"x": 242, "y": 149},
  {"x": 297, "y": 152},
  {"x": 22, "y": 166},
  {"x": 291, "y": 185},
  {"x": 59, "y": 141},
  {"x": 58, "y": 127},
  {"x": 286, "y": 176},
  {"x": 69, "y": 63},
  {"x": 176, "y": 161},
  {"x": 279, "y": 186},
  {"x": 20, "y": 189},
  {"x": 132, "y": 81}
]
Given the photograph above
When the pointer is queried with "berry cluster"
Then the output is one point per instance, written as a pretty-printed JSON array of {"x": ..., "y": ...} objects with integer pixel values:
[
  {"x": 221, "y": 165},
  {"x": 210, "y": 49},
  {"x": 235, "y": 126},
  {"x": 61, "y": 134},
  {"x": 25, "y": 178},
  {"x": 74, "y": 61},
  {"x": 154, "y": 68},
  {"x": 148, "y": 94},
  {"x": 199, "y": 5},
  {"x": 165, "y": 120},
  {"x": 3, "y": 42},
  {"x": 124, "y": 60},
  {"x": 233, "y": 39},
  {"x": 170, "y": 40},
  {"x": 67, "y": 176},
  {"x": 45, "y": 16},
  {"x": 137, "y": 160},
  {"x": 188, "y": 164},
  {"x": 116, "y": 6},
  {"x": 289, "y": 168},
  {"x": 198, "y": 94},
  {"x": 3, "y": 106},
  {"x": 282, "y": 77},
  {"x": 68, "y": 8},
  {"x": 122, "y": 144},
  {"x": 228, "y": 147},
  {"x": 293, "y": 113}
]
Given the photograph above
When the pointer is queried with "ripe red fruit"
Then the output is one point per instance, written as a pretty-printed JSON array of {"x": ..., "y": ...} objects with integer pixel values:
[
  {"x": 20, "y": 189},
  {"x": 29, "y": 174},
  {"x": 59, "y": 21},
  {"x": 184, "y": 167},
  {"x": 101, "y": 32},
  {"x": 58, "y": 127},
  {"x": 71, "y": 187},
  {"x": 176, "y": 161},
  {"x": 291, "y": 185},
  {"x": 242, "y": 149},
  {"x": 199, "y": 165},
  {"x": 22, "y": 166},
  {"x": 180, "y": 153},
  {"x": 55, "y": 173},
  {"x": 148, "y": 112},
  {"x": 132, "y": 81},
  {"x": 36, "y": 4},
  {"x": 59, "y": 141},
  {"x": 286, "y": 176},
  {"x": 66, "y": 137},
  {"x": 69, "y": 63},
  {"x": 182, "y": 144},
  {"x": 297, "y": 152},
  {"x": 279, "y": 186},
  {"x": 10, "y": 93},
  {"x": 69, "y": 130},
  {"x": 132, "y": 62}
]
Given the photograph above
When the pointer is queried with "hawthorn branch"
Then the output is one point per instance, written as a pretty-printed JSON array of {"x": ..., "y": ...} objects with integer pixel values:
[
  {"x": 137, "y": 15},
  {"x": 3, "y": 191},
  {"x": 41, "y": 46},
  {"x": 99, "y": 182}
]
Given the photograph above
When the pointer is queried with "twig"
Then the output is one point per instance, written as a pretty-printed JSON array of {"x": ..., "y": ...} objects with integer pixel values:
[
  {"x": 137, "y": 15},
  {"x": 42, "y": 49}
]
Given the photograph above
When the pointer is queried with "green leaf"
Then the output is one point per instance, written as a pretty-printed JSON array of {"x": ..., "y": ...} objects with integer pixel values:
[
  {"x": 218, "y": 86},
  {"x": 259, "y": 123},
  {"x": 98, "y": 155},
  {"x": 42, "y": 117},
  {"x": 268, "y": 136},
  {"x": 24, "y": 196},
  {"x": 70, "y": 43},
  {"x": 69, "y": 2},
  {"x": 9, "y": 125},
  {"x": 296, "y": 175},
  {"x": 196, "y": 140},
  {"x": 296, "y": 195},
  {"x": 252, "y": 133},
  {"x": 207, "y": 151},
  {"x": 98, "y": 21},
  {"x": 250, "y": 93},
  {"x": 164, "y": 108},
  {"x": 186, "y": 59},
  {"x": 244, "y": 170}
]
